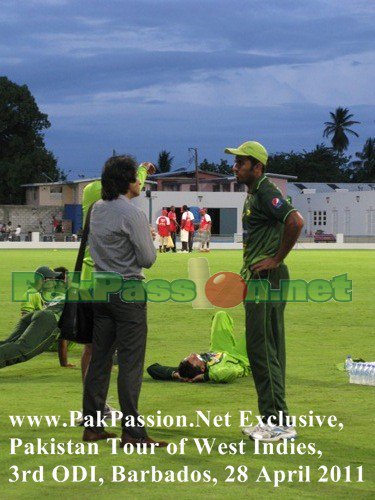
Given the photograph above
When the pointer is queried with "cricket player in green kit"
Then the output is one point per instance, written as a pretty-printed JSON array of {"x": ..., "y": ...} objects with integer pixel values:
[{"x": 271, "y": 227}]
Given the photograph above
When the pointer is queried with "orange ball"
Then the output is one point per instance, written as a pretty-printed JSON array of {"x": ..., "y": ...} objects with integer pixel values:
[{"x": 226, "y": 289}]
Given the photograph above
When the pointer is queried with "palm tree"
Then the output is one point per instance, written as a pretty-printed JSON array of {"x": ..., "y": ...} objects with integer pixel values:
[
  {"x": 365, "y": 165},
  {"x": 338, "y": 128},
  {"x": 165, "y": 161}
]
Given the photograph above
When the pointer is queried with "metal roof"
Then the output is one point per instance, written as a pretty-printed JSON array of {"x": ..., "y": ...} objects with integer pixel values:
[
  {"x": 329, "y": 187},
  {"x": 78, "y": 181},
  {"x": 184, "y": 173}
]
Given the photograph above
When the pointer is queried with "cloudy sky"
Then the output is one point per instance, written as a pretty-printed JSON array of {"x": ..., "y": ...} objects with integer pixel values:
[{"x": 139, "y": 76}]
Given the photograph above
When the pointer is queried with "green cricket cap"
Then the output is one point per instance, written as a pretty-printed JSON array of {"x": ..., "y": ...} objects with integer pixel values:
[
  {"x": 250, "y": 148},
  {"x": 47, "y": 273}
]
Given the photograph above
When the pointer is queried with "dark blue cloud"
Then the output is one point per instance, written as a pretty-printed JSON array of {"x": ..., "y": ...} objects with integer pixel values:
[{"x": 131, "y": 75}]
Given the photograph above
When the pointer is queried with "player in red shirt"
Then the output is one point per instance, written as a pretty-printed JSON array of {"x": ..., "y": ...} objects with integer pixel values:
[
  {"x": 173, "y": 226},
  {"x": 187, "y": 229},
  {"x": 163, "y": 225}
]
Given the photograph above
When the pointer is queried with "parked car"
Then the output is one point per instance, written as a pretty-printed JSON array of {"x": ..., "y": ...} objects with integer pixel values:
[{"x": 321, "y": 237}]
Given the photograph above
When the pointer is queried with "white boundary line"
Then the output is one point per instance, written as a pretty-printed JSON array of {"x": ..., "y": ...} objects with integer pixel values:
[{"x": 25, "y": 245}]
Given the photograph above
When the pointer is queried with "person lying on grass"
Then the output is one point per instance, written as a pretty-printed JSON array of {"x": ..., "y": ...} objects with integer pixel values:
[{"x": 226, "y": 360}]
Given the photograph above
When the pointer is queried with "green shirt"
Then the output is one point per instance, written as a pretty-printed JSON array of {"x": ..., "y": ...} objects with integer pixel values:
[
  {"x": 223, "y": 367},
  {"x": 264, "y": 214},
  {"x": 91, "y": 194},
  {"x": 33, "y": 301}
]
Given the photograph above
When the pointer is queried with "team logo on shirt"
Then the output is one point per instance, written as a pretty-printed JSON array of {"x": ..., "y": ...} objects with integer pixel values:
[
  {"x": 215, "y": 357},
  {"x": 276, "y": 202}
]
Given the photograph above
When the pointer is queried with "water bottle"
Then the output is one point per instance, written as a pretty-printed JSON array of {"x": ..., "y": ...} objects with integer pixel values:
[
  {"x": 364, "y": 374},
  {"x": 360, "y": 373},
  {"x": 372, "y": 374},
  {"x": 368, "y": 376},
  {"x": 353, "y": 374},
  {"x": 348, "y": 363}
]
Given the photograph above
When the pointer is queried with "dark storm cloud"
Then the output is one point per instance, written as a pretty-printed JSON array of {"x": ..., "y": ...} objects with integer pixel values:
[{"x": 157, "y": 58}]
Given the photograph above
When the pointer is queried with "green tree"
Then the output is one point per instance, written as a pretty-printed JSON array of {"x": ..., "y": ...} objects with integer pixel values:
[
  {"x": 165, "y": 161},
  {"x": 338, "y": 128},
  {"x": 207, "y": 166},
  {"x": 321, "y": 164},
  {"x": 23, "y": 156},
  {"x": 364, "y": 167},
  {"x": 222, "y": 167}
]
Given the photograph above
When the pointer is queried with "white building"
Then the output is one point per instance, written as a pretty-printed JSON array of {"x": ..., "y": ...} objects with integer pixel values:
[
  {"x": 346, "y": 208},
  {"x": 333, "y": 208}
]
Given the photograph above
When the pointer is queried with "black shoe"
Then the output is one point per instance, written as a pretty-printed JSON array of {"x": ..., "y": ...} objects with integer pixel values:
[
  {"x": 125, "y": 438},
  {"x": 93, "y": 435}
]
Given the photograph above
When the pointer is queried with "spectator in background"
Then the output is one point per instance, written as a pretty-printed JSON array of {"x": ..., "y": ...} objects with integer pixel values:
[
  {"x": 187, "y": 229},
  {"x": 42, "y": 229},
  {"x": 55, "y": 223},
  {"x": 173, "y": 226},
  {"x": 17, "y": 233},
  {"x": 205, "y": 230},
  {"x": 163, "y": 224},
  {"x": 8, "y": 231}
]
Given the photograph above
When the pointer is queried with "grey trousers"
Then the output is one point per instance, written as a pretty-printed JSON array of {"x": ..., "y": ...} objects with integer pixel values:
[{"x": 122, "y": 326}]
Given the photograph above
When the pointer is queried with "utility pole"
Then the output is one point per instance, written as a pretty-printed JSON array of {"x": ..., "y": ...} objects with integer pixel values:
[{"x": 195, "y": 151}]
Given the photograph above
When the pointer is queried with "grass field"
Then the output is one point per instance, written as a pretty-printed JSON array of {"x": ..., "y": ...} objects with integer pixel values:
[{"x": 318, "y": 337}]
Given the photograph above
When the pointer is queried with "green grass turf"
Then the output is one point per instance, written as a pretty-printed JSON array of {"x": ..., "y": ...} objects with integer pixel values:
[{"x": 318, "y": 337}]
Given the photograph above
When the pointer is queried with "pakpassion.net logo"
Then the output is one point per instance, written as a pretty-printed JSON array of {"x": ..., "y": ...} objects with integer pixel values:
[{"x": 223, "y": 289}]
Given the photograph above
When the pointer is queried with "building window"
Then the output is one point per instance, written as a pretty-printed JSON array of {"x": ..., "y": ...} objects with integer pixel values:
[
  {"x": 320, "y": 218},
  {"x": 226, "y": 187},
  {"x": 216, "y": 188},
  {"x": 238, "y": 188},
  {"x": 193, "y": 187},
  {"x": 171, "y": 186},
  {"x": 56, "y": 192}
]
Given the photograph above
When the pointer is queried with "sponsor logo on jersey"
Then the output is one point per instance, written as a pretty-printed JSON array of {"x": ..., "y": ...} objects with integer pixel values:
[{"x": 276, "y": 202}]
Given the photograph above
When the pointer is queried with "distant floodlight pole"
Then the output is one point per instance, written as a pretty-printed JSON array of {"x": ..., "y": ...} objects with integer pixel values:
[{"x": 196, "y": 167}]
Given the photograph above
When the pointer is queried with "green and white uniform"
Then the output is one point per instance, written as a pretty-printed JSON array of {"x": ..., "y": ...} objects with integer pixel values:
[
  {"x": 35, "y": 333},
  {"x": 226, "y": 361},
  {"x": 264, "y": 214},
  {"x": 33, "y": 301}
]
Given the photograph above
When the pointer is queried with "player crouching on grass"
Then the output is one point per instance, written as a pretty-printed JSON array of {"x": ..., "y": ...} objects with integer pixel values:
[
  {"x": 226, "y": 360},
  {"x": 37, "y": 330}
]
